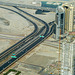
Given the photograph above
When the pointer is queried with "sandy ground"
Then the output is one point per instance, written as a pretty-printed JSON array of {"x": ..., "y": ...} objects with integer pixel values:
[
  {"x": 17, "y": 24},
  {"x": 49, "y": 17},
  {"x": 41, "y": 55},
  {"x": 17, "y": 28},
  {"x": 4, "y": 44},
  {"x": 29, "y": 1},
  {"x": 20, "y": 1}
]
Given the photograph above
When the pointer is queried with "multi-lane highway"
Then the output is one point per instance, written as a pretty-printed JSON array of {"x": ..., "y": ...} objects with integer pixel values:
[
  {"x": 21, "y": 42},
  {"x": 23, "y": 46}
]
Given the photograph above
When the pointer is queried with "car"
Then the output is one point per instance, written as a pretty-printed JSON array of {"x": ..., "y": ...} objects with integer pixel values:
[
  {"x": 42, "y": 36},
  {"x": 13, "y": 56}
]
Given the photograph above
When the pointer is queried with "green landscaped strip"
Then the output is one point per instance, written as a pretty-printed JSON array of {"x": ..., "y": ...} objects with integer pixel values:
[
  {"x": 18, "y": 73},
  {"x": 12, "y": 70}
]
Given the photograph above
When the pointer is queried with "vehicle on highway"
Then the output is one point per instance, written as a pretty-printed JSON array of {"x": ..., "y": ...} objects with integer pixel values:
[
  {"x": 13, "y": 56},
  {"x": 42, "y": 36}
]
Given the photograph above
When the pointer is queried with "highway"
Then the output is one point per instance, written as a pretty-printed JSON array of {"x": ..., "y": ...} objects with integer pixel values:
[
  {"x": 21, "y": 42},
  {"x": 45, "y": 30}
]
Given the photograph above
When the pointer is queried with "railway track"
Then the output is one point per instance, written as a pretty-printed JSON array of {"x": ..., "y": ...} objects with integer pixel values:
[{"x": 36, "y": 41}]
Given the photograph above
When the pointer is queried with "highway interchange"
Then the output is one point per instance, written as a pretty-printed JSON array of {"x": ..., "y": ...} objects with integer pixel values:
[{"x": 28, "y": 43}]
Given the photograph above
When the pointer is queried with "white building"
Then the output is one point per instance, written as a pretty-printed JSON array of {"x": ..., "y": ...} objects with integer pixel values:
[{"x": 68, "y": 56}]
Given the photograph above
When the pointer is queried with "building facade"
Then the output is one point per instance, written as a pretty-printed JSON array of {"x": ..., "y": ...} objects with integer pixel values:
[
  {"x": 68, "y": 58},
  {"x": 69, "y": 18},
  {"x": 65, "y": 19},
  {"x": 60, "y": 20}
]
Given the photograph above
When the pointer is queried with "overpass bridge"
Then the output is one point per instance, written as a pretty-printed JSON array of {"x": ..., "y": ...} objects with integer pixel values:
[{"x": 28, "y": 6}]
